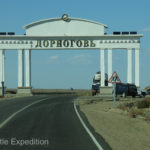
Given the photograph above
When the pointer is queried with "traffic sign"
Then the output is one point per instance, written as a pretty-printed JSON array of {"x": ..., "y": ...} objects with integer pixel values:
[{"x": 114, "y": 78}]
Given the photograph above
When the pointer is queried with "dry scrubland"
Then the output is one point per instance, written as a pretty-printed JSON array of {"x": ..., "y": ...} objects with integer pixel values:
[
  {"x": 12, "y": 93},
  {"x": 124, "y": 128},
  {"x": 78, "y": 92}
]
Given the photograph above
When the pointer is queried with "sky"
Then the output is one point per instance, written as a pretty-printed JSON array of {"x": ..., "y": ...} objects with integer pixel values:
[{"x": 67, "y": 69}]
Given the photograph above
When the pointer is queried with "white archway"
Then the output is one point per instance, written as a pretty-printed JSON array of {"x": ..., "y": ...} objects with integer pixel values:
[{"x": 68, "y": 33}]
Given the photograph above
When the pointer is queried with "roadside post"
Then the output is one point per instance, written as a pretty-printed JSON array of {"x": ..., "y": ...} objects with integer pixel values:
[
  {"x": 114, "y": 94},
  {"x": 3, "y": 88},
  {"x": 114, "y": 79}
]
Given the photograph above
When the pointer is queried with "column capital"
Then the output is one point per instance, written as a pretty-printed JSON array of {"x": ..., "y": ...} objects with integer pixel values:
[
  {"x": 137, "y": 49},
  {"x": 103, "y": 48}
]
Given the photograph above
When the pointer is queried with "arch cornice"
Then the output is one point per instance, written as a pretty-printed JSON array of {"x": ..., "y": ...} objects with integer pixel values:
[{"x": 58, "y": 19}]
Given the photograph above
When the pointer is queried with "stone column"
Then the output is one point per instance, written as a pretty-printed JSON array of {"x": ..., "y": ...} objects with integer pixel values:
[
  {"x": 2, "y": 69},
  {"x": 28, "y": 68},
  {"x": 27, "y": 89},
  {"x": 129, "y": 70},
  {"x": 137, "y": 64},
  {"x": 102, "y": 64},
  {"x": 109, "y": 65},
  {"x": 20, "y": 68}
]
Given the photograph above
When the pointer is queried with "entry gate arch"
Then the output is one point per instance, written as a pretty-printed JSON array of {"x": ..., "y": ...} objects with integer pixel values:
[{"x": 68, "y": 33}]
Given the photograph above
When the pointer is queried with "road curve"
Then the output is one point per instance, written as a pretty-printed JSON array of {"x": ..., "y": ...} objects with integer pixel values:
[{"x": 51, "y": 124}]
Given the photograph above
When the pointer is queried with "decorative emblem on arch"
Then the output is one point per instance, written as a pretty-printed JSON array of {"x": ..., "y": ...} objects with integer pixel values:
[{"x": 65, "y": 17}]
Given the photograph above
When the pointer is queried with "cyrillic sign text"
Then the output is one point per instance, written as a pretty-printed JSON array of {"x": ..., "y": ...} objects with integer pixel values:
[{"x": 65, "y": 44}]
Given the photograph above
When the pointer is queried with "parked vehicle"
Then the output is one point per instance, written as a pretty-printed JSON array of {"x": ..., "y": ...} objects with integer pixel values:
[
  {"x": 97, "y": 82},
  {"x": 95, "y": 89},
  {"x": 97, "y": 78},
  {"x": 126, "y": 89},
  {"x": 148, "y": 92},
  {"x": 142, "y": 93}
]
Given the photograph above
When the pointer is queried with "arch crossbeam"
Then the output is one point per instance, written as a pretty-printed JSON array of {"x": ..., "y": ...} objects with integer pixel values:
[{"x": 69, "y": 42}]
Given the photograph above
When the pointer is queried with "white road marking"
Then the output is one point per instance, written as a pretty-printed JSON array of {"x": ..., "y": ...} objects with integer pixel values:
[
  {"x": 87, "y": 130},
  {"x": 17, "y": 112}
]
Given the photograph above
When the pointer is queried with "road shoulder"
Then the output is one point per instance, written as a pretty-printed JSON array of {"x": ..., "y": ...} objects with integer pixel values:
[{"x": 96, "y": 135}]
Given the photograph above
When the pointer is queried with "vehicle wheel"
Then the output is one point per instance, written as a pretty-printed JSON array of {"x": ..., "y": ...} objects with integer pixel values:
[{"x": 124, "y": 95}]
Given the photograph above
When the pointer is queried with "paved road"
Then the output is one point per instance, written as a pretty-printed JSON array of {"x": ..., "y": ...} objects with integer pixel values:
[{"x": 50, "y": 124}]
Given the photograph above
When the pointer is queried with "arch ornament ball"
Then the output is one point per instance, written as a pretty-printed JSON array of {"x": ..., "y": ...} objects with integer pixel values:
[{"x": 65, "y": 17}]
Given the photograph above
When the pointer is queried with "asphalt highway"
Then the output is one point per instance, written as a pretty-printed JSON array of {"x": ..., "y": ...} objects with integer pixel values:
[{"x": 43, "y": 123}]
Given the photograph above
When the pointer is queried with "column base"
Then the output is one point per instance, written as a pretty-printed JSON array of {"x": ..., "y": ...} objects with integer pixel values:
[
  {"x": 1, "y": 91},
  {"x": 106, "y": 90},
  {"x": 106, "y": 93},
  {"x": 24, "y": 90}
]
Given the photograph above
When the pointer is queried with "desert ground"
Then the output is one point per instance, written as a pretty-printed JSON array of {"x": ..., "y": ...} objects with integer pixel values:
[{"x": 123, "y": 128}]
